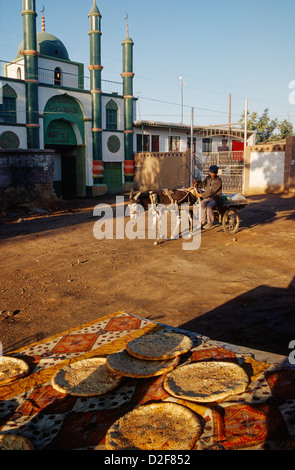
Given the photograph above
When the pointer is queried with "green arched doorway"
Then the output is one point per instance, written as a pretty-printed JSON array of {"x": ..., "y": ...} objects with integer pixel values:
[{"x": 64, "y": 132}]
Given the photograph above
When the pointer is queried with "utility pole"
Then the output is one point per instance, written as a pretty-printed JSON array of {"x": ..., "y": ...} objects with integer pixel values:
[
  {"x": 229, "y": 120},
  {"x": 245, "y": 140},
  {"x": 246, "y": 126},
  {"x": 192, "y": 148}
]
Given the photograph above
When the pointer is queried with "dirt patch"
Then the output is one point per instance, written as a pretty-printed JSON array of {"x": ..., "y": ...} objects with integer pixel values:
[{"x": 56, "y": 275}]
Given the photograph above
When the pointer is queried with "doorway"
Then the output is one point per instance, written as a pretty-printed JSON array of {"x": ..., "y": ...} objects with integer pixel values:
[
  {"x": 68, "y": 173},
  {"x": 65, "y": 171},
  {"x": 69, "y": 164}
]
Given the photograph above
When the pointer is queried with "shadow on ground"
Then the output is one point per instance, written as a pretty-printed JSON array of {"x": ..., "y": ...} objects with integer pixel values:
[{"x": 262, "y": 319}]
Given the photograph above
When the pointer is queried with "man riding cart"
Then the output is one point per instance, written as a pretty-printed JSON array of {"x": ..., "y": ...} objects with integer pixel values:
[
  {"x": 215, "y": 204},
  {"x": 211, "y": 196}
]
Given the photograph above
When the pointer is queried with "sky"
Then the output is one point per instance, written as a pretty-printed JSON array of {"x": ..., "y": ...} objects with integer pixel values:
[{"x": 242, "y": 48}]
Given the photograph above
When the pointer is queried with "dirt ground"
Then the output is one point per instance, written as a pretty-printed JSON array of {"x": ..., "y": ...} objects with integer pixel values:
[{"x": 55, "y": 275}]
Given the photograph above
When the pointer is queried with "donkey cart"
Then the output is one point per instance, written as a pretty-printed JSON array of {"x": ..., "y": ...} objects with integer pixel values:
[{"x": 227, "y": 212}]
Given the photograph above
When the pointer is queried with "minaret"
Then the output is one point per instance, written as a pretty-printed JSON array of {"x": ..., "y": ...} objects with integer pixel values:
[
  {"x": 127, "y": 76},
  {"x": 31, "y": 54},
  {"x": 43, "y": 20},
  {"x": 95, "y": 77}
]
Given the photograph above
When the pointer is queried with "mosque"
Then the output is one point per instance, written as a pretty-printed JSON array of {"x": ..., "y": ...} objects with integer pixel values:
[
  {"x": 47, "y": 106},
  {"x": 93, "y": 133}
]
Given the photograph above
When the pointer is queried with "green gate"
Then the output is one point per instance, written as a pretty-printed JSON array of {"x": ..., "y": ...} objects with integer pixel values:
[{"x": 113, "y": 177}]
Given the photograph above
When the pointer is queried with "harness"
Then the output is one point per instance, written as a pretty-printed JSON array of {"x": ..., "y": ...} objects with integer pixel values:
[
  {"x": 170, "y": 193},
  {"x": 153, "y": 198}
]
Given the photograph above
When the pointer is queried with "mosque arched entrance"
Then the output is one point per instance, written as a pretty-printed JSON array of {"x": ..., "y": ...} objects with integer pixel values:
[{"x": 64, "y": 132}]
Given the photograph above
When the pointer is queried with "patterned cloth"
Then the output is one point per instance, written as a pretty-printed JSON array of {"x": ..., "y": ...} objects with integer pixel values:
[{"x": 261, "y": 418}]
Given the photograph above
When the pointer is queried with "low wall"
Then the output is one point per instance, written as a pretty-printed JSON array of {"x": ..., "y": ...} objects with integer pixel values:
[
  {"x": 269, "y": 168},
  {"x": 26, "y": 179}
]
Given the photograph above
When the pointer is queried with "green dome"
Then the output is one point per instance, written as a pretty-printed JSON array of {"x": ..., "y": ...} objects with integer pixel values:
[{"x": 48, "y": 45}]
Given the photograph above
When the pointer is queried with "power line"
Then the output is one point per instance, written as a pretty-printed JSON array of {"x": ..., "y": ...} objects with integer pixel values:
[{"x": 185, "y": 105}]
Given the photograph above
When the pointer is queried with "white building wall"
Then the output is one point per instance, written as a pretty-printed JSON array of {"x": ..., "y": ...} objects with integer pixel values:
[
  {"x": 46, "y": 66},
  {"x": 184, "y": 135},
  {"x": 70, "y": 72},
  {"x": 266, "y": 170},
  {"x": 19, "y": 87},
  {"x": 109, "y": 156},
  {"x": 164, "y": 135},
  {"x": 120, "y": 103},
  {"x": 19, "y": 129},
  {"x": 13, "y": 67}
]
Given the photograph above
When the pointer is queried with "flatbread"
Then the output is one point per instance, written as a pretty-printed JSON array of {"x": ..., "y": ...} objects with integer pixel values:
[
  {"x": 157, "y": 426},
  {"x": 124, "y": 364},
  {"x": 11, "y": 369},
  {"x": 15, "y": 442},
  {"x": 86, "y": 378},
  {"x": 159, "y": 346},
  {"x": 206, "y": 382}
]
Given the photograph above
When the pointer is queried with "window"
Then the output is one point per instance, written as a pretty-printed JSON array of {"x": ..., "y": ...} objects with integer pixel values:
[
  {"x": 58, "y": 76},
  {"x": 111, "y": 116},
  {"x": 174, "y": 144},
  {"x": 207, "y": 145},
  {"x": 155, "y": 143},
  {"x": 19, "y": 73},
  {"x": 8, "y": 105},
  {"x": 143, "y": 143}
]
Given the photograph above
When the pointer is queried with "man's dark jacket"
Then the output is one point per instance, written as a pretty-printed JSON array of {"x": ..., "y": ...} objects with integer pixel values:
[{"x": 213, "y": 188}]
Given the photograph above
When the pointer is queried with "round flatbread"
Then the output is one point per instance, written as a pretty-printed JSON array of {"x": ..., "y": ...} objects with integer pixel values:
[
  {"x": 159, "y": 346},
  {"x": 124, "y": 364},
  {"x": 206, "y": 382},
  {"x": 15, "y": 442},
  {"x": 11, "y": 369},
  {"x": 157, "y": 426},
  {"x": 86, "y": 378}
]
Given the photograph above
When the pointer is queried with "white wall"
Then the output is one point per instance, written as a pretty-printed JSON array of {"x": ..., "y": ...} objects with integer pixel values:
[
  {"x": 266, "y": 170},
  {"x": 120, "y": 103},
  {"x": 20, "y": 131},
  {"x": 70, "y": 72},
  {"x": 183, "y": 134},
  {"x": 12, "y": 68},
  {"x": 110, "y": 156}
]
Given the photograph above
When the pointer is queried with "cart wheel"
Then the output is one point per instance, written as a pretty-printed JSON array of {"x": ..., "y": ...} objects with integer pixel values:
[{"x": 231, "y": 221}]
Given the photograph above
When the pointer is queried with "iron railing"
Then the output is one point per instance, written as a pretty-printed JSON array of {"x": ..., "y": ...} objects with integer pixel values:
[
  {"x": 69, "y": 80},
  {"x": 231, "y": 168}
]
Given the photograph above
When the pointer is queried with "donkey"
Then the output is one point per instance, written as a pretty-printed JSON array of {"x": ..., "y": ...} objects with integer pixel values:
[{"x": 159, "y": 202}]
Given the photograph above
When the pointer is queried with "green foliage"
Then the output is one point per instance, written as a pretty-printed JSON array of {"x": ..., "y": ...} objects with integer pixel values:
[
  {"x": 285, "y": 128},
  {"x": 265, "y": 127}
]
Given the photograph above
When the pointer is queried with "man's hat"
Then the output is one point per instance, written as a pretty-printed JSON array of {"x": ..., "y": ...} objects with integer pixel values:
[{"x": 213, "y": 169}]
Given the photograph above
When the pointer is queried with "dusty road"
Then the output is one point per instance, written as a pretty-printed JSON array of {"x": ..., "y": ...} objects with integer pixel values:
[{"x": 56, "y": 275}]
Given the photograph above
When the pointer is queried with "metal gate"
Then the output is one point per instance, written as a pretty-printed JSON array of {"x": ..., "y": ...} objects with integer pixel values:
[{"x": 231, "y": 169}]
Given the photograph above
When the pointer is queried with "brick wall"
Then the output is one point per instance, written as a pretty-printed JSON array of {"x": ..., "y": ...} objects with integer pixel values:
[{"x": 289, "y": 180}]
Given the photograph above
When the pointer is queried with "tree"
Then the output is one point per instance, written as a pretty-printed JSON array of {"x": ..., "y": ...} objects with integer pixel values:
[
  {"x": 265, "y": 127},
  {"x": 285, "y": 128},
  {"x": 262, "y": 125}
]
